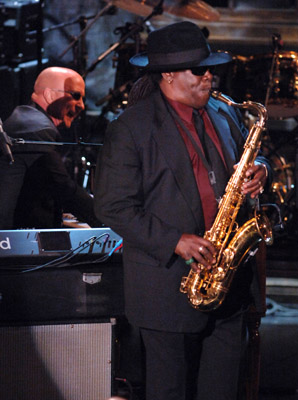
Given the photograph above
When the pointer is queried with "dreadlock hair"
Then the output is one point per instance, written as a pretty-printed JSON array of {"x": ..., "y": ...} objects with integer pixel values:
[{"x": 143, "y": 87}]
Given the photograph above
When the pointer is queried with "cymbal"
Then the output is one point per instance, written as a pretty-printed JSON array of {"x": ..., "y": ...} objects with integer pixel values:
[{"x": 193, "y": 9}]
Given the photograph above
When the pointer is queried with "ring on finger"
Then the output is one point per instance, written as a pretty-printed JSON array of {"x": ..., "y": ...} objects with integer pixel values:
[
  {"x": 201, "y": 248},
  {"x": 189, "y": 261}
]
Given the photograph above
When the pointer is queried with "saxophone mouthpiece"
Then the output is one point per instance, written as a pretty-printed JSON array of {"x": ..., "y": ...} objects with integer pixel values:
[
  {"x": 219, "y": 96},
  {"x": 215, "y": 93}
]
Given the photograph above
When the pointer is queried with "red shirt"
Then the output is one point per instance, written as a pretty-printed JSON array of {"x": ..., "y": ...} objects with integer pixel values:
[{"x": 209, "y": 203}]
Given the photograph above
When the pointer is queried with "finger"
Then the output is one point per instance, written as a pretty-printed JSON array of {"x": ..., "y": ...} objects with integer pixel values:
[
  {"x": 208, "y": 246},
  {"x": 249, "y": 172},
  {"x": 204, "y": 258},
  {"x": 199, "y": 266},
  {"x": 195, "y": 266},
  {"x": 207, "y": 255},
  {"x": 197, "y": 263},
  {"x": 252, "y": 170},
  {"x": 252, "y": 186},
  {"x": 260, "y": 188},
  {"x": 256, "y": 192},
  {"x": 258, "y": 185}
]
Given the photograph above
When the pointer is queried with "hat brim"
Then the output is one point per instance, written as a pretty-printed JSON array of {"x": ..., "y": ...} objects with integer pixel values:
[{"x": 141, "y": 60}]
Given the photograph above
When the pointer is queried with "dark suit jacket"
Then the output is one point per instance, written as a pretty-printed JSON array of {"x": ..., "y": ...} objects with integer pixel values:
[
  {"x": 146, "y": 192},
  {"x": 36, "y": 188}
]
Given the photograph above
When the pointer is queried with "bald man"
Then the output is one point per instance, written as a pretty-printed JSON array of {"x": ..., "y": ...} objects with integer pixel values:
[
  {"x": 60, "y": 92},
  {"x": 36, "y": 189}
]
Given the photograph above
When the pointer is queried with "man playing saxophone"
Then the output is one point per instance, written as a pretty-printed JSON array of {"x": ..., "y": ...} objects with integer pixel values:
[{"x": 165, "y": 165}]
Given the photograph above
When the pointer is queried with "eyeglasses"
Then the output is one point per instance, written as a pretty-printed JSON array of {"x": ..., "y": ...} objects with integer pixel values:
[
  {"x": 200, "y": 71},
  {"x": 75, "y": 95}
]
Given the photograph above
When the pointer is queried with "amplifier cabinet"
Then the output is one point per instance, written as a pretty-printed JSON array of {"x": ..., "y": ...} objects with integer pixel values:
[
  {"x": 57, "y": 362},
  {"x": 20, "y": 18},
  {"x": 58, "y": 295}
]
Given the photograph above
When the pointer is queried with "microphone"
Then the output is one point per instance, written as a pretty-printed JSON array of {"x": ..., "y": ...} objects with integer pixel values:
[{"x": 5, "y": 144}]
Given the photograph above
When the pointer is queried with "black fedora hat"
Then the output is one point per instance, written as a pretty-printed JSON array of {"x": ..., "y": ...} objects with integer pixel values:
[{"x": 181, "y": 45}]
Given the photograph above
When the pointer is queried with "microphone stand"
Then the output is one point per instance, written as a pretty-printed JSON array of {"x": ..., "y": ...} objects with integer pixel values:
[
  {"x": 6, "y": 142},
  {"x": 9, "y": 141},
  {"x": 19, "y": 141}
]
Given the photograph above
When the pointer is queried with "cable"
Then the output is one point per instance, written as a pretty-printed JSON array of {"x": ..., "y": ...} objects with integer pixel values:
[
  {"x": 63, "y": 261},
  {"x": 72, "y": 253}
]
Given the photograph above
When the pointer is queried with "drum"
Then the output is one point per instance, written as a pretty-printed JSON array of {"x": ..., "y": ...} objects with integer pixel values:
[{"x": 273, "y": 80}]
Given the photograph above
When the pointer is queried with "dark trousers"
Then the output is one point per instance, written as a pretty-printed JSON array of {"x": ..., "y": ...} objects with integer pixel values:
[{"x": 200, "y": 366}]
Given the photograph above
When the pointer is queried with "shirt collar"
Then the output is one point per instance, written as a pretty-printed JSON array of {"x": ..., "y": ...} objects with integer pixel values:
[{"x": 184, "y": 111}]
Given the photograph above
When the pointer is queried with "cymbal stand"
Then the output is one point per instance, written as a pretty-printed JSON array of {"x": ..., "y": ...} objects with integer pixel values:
[
  {"x": 135, "y": 28},
  {"x": 103, "y": 11},
  {"x": 80, "y": 53}
]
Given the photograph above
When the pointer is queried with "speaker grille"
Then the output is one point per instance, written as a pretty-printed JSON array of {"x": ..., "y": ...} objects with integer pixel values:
[{"x": 56, "y": 362}]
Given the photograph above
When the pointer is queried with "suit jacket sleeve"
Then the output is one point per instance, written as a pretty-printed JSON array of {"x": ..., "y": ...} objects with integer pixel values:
[
  {"x": 120, "y": 200},
  {"x": 72, "y": 197}
]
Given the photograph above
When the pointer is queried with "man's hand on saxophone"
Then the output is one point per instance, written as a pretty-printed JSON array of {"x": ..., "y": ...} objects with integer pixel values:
[
  {"x": 256, "y": 180},
  {"x": 196, "y": 250}
]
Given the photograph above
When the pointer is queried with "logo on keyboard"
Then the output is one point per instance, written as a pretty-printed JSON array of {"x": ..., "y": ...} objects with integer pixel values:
[{"x": 5, "y": 244}]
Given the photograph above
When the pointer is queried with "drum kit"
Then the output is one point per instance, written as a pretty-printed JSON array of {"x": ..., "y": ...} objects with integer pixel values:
[{"x": 271, "y": 79}]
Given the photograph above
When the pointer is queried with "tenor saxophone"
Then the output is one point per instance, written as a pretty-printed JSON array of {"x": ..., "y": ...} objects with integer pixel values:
[{"x": 207, "y": 289}]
